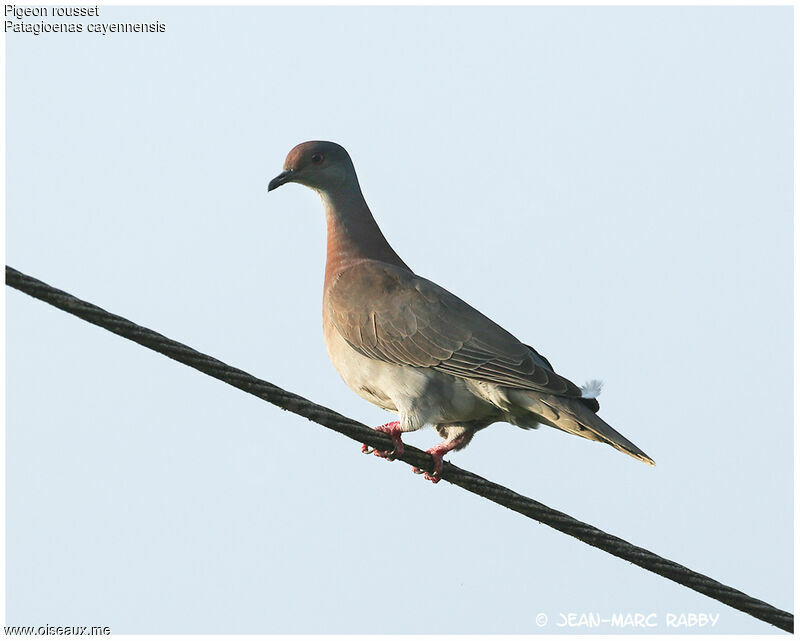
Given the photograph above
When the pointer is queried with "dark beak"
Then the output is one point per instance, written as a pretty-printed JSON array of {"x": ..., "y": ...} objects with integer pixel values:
[{"x": 280, "y": 179}]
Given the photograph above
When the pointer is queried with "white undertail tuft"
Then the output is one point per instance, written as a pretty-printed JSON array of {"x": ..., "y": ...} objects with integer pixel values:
[{"x": 591, "y": 389}]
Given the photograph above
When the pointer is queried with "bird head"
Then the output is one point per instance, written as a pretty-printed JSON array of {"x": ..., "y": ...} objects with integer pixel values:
[{"x": 317, "y": 164}]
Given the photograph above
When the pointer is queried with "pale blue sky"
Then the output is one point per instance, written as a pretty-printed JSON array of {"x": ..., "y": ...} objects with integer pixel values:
[{"x": 613, "y": 186}]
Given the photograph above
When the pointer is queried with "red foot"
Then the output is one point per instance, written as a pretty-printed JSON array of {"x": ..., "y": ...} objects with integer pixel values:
[
  {"x": 393, "y": 430},
  {"x": 438, "y": 451},
  {"x": 437, "y": 467}
]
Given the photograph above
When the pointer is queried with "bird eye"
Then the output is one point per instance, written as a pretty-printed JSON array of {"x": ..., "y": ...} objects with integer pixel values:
[{"x": 317, "y": 158}]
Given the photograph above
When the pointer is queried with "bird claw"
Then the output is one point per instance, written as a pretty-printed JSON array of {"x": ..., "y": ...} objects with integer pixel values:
[
  {"x": 433, "y": 478},
  {"x": 389, "y": 455},
  {"x": 437, "y": 469},
  {"x": 393, "y": 430}
]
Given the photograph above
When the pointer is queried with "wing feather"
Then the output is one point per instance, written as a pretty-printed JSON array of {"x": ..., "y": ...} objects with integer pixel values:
[{"x": 388, "y": 313}]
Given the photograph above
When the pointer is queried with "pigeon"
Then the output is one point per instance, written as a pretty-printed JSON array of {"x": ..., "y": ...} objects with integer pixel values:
[{"x": 411, "y": 347}]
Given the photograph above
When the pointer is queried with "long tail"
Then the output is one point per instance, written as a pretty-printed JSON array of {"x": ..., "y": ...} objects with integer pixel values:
[{"x": 573, "y": 416}]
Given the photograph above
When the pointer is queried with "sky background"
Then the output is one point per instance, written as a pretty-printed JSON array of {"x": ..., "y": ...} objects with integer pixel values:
[{"x": 612, "y": 185}]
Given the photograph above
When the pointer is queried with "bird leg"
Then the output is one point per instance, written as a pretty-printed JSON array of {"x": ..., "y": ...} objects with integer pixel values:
[
  {"x": 393, "y": 430},
  {"x": 437, "y": 452}
]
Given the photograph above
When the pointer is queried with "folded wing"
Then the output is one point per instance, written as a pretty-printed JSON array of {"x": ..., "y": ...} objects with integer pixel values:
[{"x": 388, "y": 313}]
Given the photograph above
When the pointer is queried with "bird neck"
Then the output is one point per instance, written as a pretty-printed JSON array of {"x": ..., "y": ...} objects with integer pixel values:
[{"x": 353, "y": 234}]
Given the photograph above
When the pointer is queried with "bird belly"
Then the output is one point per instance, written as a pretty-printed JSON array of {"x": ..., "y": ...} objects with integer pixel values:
[{"x": 421, "y": 396}]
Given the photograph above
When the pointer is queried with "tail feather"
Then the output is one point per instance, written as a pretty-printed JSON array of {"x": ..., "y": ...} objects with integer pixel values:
[
  {"x": 573, "y": 416},
  {"x": 579, "y": 413}
]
